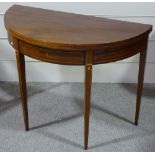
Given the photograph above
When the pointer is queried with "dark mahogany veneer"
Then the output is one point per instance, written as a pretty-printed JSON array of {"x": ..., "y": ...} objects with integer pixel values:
[{"x": 73, "y": 39}]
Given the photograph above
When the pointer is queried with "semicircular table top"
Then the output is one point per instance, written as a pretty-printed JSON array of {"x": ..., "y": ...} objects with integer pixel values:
[{"x": 60, "y": 29}]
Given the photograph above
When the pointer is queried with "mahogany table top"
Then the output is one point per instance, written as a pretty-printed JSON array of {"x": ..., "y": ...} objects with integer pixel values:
[{"x": 60, "y": 30}]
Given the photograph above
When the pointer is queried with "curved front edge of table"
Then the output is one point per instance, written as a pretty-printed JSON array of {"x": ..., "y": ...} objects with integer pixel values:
[{"x": 109, "y": 53}]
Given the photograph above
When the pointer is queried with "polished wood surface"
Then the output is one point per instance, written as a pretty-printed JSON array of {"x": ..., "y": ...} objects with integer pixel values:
[
  {"x": 22, "y": 85},
  {"x": 142, "y": 62},
  {"x": 72, "y": 39},
  {"x": 69, "y": 31},
  {"x": 111, "y": 40},
  {"x": 88, "y": 83}
]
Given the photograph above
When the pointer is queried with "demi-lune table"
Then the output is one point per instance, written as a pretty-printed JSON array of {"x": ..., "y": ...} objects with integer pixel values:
[{"x": 73, "y": 39}]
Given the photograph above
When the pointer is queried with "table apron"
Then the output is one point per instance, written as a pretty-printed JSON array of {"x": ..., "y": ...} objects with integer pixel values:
[{"x": 107, "y": 54}]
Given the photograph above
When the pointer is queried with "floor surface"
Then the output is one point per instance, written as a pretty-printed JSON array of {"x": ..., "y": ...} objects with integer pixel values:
[{"x": 56, "y": 118}]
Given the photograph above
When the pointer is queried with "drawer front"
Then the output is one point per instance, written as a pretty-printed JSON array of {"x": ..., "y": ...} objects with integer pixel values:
[
  {"x": 120, "y": 52},
  {"x": 52, "y": 56}
]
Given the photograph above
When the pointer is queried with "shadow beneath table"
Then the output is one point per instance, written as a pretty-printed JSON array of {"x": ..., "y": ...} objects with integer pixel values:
[
  {"x": 102, "y": 109},
  {"x": 122, "y": 139},
  {"x": 60, "y": 139},
  {"x": 148, "y": 89},
  {"x": 12, "y": 89},
  {"x": 79, "y": 104},
  {"x": 64, "y": 119}
]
